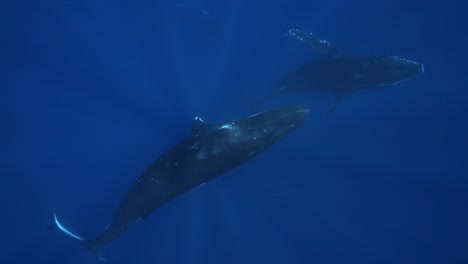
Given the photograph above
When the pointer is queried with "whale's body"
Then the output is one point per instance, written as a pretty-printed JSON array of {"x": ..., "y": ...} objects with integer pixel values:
[
  {"x": 208, "y": 153},
  {"x": 339, "y": 74},
  {"x": 348, "y": 73}
]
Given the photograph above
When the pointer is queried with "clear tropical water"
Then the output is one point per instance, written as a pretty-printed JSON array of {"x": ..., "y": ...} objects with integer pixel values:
[{"x": 94, "y": 91}]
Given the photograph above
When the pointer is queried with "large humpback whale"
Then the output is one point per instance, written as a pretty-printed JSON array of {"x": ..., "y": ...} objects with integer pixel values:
[
  {"x": 339, "y": 74},
  {"x": 208, "y": 153}
]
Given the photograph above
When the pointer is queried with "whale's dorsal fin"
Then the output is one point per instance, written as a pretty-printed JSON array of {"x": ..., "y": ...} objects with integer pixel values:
[
  {"x": 320, "y": 45},
  {"x": 200, "y": 127}
]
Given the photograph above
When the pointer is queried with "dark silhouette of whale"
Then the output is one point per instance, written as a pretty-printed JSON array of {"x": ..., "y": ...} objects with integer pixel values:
[
  {"x": 339, "y": 74},
  {"x": 208, "y": 153}
]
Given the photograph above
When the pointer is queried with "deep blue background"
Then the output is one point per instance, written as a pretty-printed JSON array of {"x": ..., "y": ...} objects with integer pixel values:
[{"x": 93, "y": 91}]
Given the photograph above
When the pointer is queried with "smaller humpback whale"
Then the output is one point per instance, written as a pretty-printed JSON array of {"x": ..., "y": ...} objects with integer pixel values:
[
  {"x": 208, "y": 153},
  {"x": 339, "y": 74}
]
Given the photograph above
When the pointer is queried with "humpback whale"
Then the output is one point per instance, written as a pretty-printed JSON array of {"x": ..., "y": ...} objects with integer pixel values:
[
  {"x": 211, "y": 151},
  {"x": 339, "y": 74}
]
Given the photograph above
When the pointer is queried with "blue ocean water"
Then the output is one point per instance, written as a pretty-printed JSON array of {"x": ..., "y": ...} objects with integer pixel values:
[{"x": 94, "y": 91}]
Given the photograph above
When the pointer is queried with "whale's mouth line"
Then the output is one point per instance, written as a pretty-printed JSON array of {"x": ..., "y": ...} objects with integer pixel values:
[{"x": 300, "y": 111}]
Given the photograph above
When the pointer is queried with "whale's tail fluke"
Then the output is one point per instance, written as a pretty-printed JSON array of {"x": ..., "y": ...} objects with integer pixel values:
[{"x": 90, "y": 244}]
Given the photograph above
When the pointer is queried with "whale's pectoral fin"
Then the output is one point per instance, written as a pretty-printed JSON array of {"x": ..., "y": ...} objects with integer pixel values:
[
  {"x": 336, "y": 102},
  {"x": 90, "y": 244},
  {"x": 320, "y": 45}
]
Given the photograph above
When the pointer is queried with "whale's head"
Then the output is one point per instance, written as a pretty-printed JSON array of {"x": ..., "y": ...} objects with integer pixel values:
[
  {"x": 377, "y": 71},
  {"x": 275, "y": 123},
  {"x": 261, "y": 130},
  {"x": 239, "y": 140}
]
